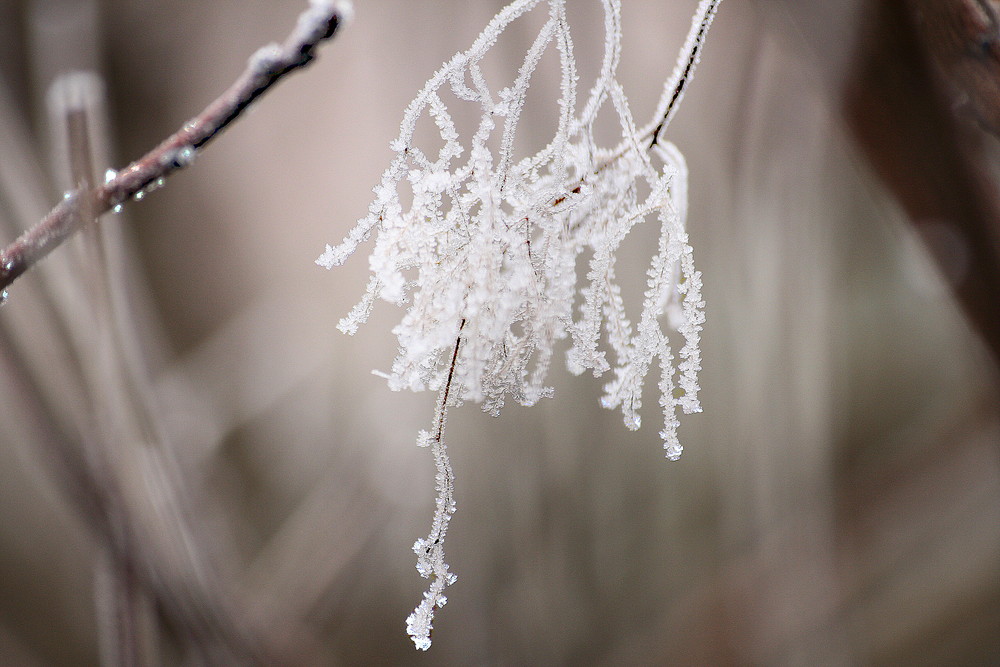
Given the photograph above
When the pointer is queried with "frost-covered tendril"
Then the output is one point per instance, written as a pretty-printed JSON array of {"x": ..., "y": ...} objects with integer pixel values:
[{"x": 488, "y": 248}]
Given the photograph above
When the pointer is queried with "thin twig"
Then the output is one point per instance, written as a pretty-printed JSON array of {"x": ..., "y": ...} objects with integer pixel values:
[
  {"x": 264, "y": 69},
  {"x": 695, "y": 42},
  {"x": 451, "y": 374},
  {"x": 688, "y": 60}
]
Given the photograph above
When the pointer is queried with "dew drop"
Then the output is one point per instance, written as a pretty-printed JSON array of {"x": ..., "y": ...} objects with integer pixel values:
[
  {"x": 139, "y": 195},
  {"x": 117, "y": 208},
  {"x": 110, "y": 175},
  {"x": 4, "y": 296},
  {"x": 185, "y": 156}
]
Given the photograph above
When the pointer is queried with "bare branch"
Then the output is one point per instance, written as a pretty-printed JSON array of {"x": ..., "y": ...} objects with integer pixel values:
[
  {"x": 264, "y": 69},
  {"x": 898, "y": 107}
]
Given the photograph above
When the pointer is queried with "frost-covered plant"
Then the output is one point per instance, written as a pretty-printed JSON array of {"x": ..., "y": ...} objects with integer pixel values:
[{"x": 484, "y": 259}]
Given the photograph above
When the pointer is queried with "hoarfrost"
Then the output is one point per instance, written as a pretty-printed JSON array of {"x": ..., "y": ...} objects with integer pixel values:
[
  {"x": 493, "y": 243},
  {"x": 266, "y": 58}
]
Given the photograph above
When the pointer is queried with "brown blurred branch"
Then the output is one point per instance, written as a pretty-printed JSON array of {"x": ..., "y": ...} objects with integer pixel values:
[
  {"x": 964, "y": 42},
  {"x": 264, "y": 69},
  {"x": 920, "y": 63}
]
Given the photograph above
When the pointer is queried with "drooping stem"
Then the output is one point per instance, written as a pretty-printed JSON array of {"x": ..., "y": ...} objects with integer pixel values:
[
  {"x": 451, "y": 374},
  {"x": 430, "y": 550},
  {"x": 265, "y": 68}
]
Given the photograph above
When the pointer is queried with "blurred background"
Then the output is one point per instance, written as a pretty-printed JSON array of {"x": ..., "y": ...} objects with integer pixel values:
[{"x": 258, "y": 490}]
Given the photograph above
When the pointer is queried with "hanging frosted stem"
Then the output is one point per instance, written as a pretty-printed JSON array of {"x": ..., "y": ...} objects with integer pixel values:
[
  {"x": 430, "y": 550},
  {"x": 499, "y": 244}
]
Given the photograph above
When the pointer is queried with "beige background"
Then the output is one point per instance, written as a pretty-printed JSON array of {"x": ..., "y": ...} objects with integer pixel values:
[{"x": 837, "y": 502}]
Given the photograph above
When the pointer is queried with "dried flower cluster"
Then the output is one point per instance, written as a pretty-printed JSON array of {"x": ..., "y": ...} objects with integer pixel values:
[{"x": 485, "y": 257}]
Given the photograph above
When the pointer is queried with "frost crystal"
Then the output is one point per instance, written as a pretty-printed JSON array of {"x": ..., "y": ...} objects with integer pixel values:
[{"x": 484, "y": 257}]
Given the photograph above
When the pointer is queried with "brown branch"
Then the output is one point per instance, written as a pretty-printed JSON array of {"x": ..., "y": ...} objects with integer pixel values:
[
  {"x": 264, "y": 69},
  {"x": 917, "y": 63},
  {"x": 963, "y": 40}
]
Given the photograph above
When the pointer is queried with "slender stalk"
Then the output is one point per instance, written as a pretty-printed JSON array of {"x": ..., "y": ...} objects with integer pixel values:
[
  {"x": 121, "y": 607},
  {"x": 265, "y": 68},
  {"x": 684, "y": 72},
  {"x": 118, "y": 594}
]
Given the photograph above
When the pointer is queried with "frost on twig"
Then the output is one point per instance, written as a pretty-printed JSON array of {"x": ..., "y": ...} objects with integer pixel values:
[
  {"x": 430, "y": 550},
  {"x": 489, "y": 244},
  {"x": 270, "y": 64}
]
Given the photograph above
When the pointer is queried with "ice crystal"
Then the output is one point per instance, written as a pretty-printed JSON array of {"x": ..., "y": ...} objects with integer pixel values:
[{"x": 484, "y": 257}]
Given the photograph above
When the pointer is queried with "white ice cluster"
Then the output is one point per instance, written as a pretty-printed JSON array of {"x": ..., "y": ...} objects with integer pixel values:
[{"x": 484, "y": 259}]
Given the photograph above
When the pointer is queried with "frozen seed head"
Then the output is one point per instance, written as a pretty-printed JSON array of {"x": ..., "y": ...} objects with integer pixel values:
[
  {"x": 498, "y": 242},
  {"x": 496, "y": 259}
]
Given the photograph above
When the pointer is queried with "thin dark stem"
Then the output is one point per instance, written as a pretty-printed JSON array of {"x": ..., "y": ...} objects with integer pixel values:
[
  {"x": 694, "y": 55},
  {"x": 651, "y": 132},
  {"x": 447, "y": 384},
  {"x": 264, "y": 69}
]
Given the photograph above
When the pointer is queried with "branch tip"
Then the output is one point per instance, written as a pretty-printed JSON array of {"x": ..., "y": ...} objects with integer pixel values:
[{"x": 265, "y": 67}]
